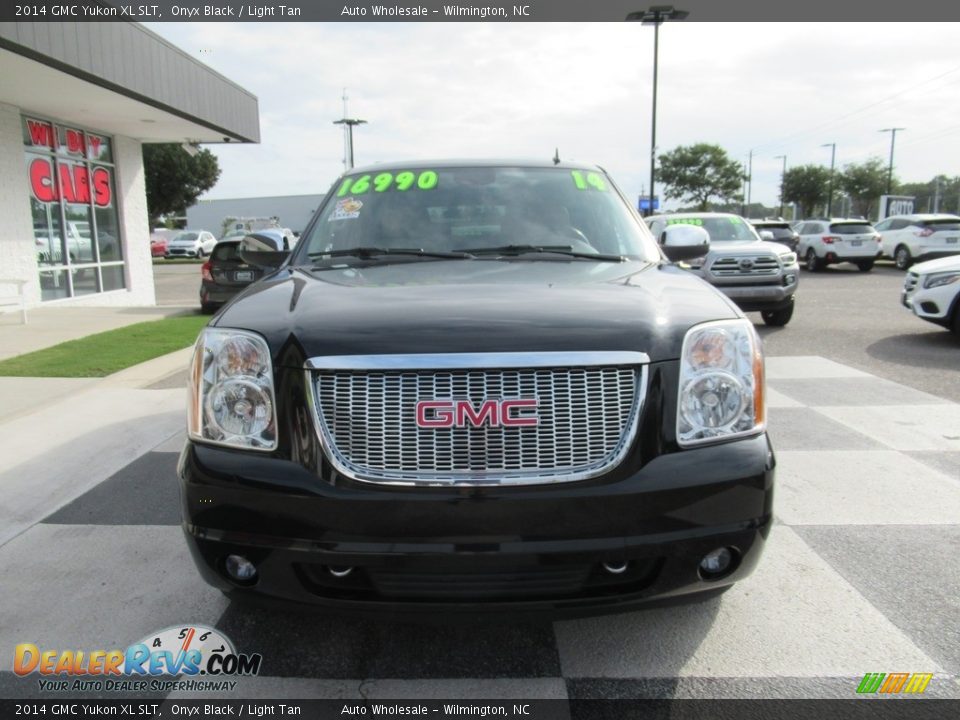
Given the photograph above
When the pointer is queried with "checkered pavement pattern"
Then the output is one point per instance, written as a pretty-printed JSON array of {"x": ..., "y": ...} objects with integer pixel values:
[{"x": 861, "y": 574}]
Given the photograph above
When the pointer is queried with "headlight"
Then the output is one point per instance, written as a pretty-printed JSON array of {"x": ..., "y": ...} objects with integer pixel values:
[
  {"x": 721, "y": 383},
  {"x": 693, "y": 263},
  {"x": 940, "y": 279},
  {"x": 789, "y": 258},
  {"x": 231, "y": 391}
]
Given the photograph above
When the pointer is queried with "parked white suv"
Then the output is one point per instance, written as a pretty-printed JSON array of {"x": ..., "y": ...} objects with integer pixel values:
[
  {"x": 191, "y": 243},
  {"x": 825, "y": 242},
  {"x": 932, "y": 291},
  {"x": 912, "y": 238}
]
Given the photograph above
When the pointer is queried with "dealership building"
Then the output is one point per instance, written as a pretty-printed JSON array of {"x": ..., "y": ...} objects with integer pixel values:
[{"x": 77, "y": 102}]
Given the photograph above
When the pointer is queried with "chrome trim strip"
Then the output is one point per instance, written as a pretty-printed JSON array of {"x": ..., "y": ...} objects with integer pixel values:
[
  {"x": 467, "y": 361},
  {"x": 466, "y": 478}
]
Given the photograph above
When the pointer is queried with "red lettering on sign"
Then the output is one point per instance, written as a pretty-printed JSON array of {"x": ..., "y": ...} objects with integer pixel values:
[
  {"x": 40, "y": 133},
  {"x": 101, "y": 187},
  {"x": 66, "y": 184},
  {"x": 41, "y": 181},
  {"x": 94, "y": 142},
  {"x": 81, "y": 184},
  {"x": 75, "y": 141}
]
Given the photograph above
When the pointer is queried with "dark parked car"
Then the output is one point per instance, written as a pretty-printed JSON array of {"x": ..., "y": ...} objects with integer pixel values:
[
  {"x": 226, "y": 273},
  {"x": 477, "y": 387},
  {"x": 780, "y": 231}
]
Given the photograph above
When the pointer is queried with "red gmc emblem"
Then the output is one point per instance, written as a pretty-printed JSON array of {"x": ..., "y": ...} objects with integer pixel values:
[{"x": 462, "y": 413}]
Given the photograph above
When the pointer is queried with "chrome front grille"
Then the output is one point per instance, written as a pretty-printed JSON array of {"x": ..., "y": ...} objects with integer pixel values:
[
  {"x": 587, "y": 416},
  {"x": 745, "y": 266}
]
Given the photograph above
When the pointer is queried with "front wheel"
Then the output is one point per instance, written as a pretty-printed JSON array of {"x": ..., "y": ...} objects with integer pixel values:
[
  {"x": 955, "y": 325},
  {"x": 813, "y": 263},
  {"x": 777, "y": 318},
  {"x": 865, "y": 265},
  {"x": 902, "y": 258}
]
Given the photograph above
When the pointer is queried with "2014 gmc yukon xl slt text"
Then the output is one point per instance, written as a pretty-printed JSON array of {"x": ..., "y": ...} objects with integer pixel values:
[{"x": 477, "y": 386}]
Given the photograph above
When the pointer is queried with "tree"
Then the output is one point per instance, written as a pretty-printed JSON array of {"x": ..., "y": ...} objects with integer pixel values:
[
  {"x": 926, "y": 194},
  {"x": 174, "y": 179},
  {"x": 864, "y": 183},
  {"x": 807, "y": 186},
  {"x": 696, "y": 173}
]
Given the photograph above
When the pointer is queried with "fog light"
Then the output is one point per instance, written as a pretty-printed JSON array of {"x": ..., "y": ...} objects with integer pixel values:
[
  {"x": 789, "y": 279},
  {"x": 716, "y": 562},
  {"x": 240, "y": 569}
]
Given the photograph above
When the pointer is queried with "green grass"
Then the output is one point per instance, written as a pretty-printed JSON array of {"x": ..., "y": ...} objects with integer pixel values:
[{"x": 107, "y": 352}]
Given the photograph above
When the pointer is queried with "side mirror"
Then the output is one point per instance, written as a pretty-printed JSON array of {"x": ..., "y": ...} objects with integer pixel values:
[
  {"x": 766, "y": 235},
  {"x": 262, "y": 251},
  {"x": 682, "y": 242}
]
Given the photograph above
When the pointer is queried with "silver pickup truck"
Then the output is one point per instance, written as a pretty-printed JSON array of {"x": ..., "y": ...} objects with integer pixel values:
[{"x": 758, "y": 275}]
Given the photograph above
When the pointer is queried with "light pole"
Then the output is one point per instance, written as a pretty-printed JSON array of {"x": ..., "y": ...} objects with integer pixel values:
[
  {"x": 893, "y": 139},
  {"x": 349, "y": 122},
  {"x": 833, "y": 158},
  {"x": 783, "y": 177},
  {"x": 655, "y": 16},
  {"x": 749, "y": 180}
]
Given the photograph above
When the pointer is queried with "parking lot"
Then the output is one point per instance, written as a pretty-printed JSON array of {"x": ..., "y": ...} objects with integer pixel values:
[{"x": 861, "y": 572}]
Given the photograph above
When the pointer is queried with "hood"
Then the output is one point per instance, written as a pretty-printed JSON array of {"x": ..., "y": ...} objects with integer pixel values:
[
  {"x": 452, "y": 306},
  {"x": 944, "y": 264},
  {"x": 747, "y": 247}
]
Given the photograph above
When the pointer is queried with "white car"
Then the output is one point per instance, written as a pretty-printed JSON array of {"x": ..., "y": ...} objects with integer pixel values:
[
  {"x": 932, "y": 291},
  {"x": 825, "y": 242},
  {"x": 912, "y": 238},
  {"x": 191, "y": 243}
]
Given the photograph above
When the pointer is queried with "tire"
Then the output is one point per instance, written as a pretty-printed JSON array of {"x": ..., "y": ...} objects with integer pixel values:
[
  {"x": 200, "y": 254},
  {"x": 865, "y": 265},
  {"x": 902, "y": 258},
  {"x": 812, "y": 262},
  {"x": 208, "y": 308},
  {"x": 955, "y": 325},
  {"x": 777, "y": 318}
]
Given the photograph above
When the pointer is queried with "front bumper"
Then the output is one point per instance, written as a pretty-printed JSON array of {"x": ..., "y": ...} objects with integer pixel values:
[
  {"x": 935, "y": 305},
  {"x": 528, "y": 549},
  {"x": 761, "y": 297}
]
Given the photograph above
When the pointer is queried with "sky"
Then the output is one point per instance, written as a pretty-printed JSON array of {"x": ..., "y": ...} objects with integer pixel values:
[{"x": 492, "y": 90}]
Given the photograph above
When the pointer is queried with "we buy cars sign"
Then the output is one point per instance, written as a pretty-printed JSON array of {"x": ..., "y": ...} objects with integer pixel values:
[{"x": 72, "y": 182}]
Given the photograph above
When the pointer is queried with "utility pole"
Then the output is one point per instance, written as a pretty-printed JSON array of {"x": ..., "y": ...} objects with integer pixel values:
[
  {"x": 348, "y": 124},
  {"x": 655, "y": 16},
  {"x": 936, "y": 197},
  {"x": 893, "y": 139},
  {"x": 749, "y": 179},
  {"x": 783, "y": 178},
  {"x": 833, "y": 158}
]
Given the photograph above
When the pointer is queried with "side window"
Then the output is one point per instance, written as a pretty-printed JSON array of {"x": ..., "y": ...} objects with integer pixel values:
[
  {"x": 656, "y": 227},
  {"x": 882, "y": 225}
]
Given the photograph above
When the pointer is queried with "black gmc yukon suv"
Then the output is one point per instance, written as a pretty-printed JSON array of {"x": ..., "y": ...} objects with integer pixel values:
[{"x": 477, "y": 386}]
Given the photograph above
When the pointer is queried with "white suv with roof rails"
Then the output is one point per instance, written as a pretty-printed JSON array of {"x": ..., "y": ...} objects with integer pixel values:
[
  {"x": 825, "y": 242},
  {"x": 932, "y": 291},
  {"x": 912, "y": 238}
]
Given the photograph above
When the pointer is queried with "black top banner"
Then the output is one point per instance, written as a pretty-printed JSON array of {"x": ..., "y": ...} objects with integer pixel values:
[{"x": 856, "y": 11}]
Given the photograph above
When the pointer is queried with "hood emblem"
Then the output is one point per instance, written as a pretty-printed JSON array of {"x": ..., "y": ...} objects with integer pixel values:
[{"x": 746, "y": 264}]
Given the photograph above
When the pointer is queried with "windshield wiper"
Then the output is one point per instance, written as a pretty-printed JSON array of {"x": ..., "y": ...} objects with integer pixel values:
[
  {"x": 537, "y": 249},
  {"x": 365, "y": 253}
]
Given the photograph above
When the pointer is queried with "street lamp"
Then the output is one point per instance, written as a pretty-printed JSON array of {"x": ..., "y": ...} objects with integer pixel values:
[
  {"x": 833, "y": 158},
  {"x": 349, "y": 122},
  {"x": 655, "y": 16},
  {"x": 893, "y": 139},
  {"x": 783, "y": 177}
]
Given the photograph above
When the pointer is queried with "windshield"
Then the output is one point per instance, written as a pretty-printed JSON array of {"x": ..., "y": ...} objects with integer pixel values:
[
  {"x": 726, "y": 228},
  {"x": 476, "y": 209},
  {"x": 851, "y": 228},
  {"x": 186, "y": 237},
  {"x": 943, "y": 224}
]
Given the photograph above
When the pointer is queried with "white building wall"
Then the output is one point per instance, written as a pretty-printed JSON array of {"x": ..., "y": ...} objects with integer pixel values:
[
  {"x": 18, "y": 255},
  {"x": 17, "y": 250}
]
